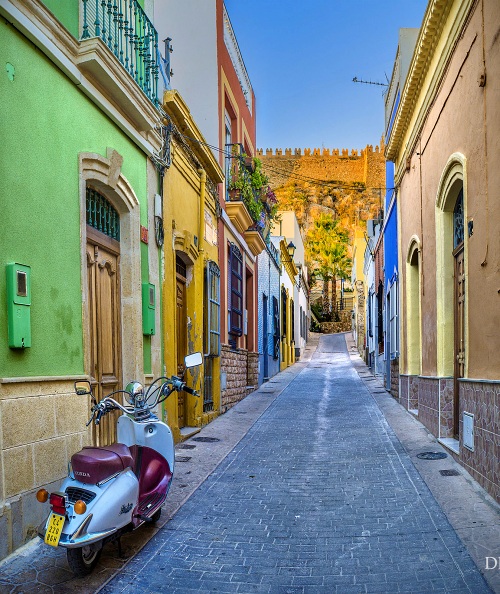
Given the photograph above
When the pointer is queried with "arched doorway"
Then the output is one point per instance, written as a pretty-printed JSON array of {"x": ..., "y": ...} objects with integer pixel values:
[
  {"x": 451, "y": 264},
  {"x": 459, "y": 306},
  {"x": 103, "y": 285}
]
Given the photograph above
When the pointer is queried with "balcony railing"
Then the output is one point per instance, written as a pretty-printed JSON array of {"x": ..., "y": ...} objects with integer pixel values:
[{"x": 124, "y": 27}]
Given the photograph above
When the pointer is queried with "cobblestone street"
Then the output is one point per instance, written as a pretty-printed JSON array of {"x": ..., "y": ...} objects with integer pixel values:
[{"x": 319, "y": 496}]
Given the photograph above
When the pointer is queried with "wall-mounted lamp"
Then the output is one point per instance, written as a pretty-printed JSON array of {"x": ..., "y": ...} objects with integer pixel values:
[{"x": 291, "y": 249}]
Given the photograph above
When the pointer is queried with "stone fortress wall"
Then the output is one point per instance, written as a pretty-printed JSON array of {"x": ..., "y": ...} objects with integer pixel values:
[{"x": 346, "y": 166}]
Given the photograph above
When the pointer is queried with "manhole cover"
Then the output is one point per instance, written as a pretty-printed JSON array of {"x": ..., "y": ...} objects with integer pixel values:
[
  {"x": 432, "y": 455},
  {"x": 186, "y": 446},
  {"x": 182, "y": 458},
  {"x": 449, "y": 472},
  {"x": 206, "y": 439}
]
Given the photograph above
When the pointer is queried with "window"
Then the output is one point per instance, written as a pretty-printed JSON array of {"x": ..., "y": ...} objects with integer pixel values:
[
  {"x": 228, "y": 145},
  {"x": 101, "y": 215},
  {"x": 458, "y": 221},
  {"x": 393, "y": 319},
  {"x": 276, "y": 329},
  {"x": 212, "y": 286},
  {"x": 283, "y": 313},
  {"x": 235, "y": 293}
]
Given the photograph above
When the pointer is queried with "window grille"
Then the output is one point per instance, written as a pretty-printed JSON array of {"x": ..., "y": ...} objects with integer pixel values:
[
  {"x": 180, "y": 267},
  {"x": 283, "y": 313},
  {"x": 101, "y": 215},
  {"x": 212, "y": 284},
  {"x": 235, "y": 292},
  {"x": 276, "y": 329},
  {"x": 208, "y": 393},
  {"x": 393, "y": 314},
  {"x": 458, "y": 221}
]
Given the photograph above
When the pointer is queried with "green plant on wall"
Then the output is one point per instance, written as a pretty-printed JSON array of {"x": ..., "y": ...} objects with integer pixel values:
[{"x": 252, "y": 187}]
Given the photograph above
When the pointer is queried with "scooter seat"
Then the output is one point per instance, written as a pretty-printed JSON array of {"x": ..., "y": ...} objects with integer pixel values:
[{"x": 92, "y": 465}]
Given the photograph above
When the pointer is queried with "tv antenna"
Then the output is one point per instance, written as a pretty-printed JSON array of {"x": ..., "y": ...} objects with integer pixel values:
[{"x": 369, "y": 82}]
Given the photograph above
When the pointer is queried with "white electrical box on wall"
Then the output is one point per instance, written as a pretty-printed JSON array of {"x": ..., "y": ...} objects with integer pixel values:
[
  {"x": 158, "y": 208},
  {"x": 468, "y": 435}
]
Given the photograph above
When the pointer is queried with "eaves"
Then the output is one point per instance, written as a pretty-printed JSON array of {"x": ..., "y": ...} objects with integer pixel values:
[{"x": 432, "y": 25}]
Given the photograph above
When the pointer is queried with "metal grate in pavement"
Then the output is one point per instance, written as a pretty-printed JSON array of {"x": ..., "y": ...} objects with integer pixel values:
[
  {"x": 206, "y": 439},
  {"x": 432, "y": 455}
]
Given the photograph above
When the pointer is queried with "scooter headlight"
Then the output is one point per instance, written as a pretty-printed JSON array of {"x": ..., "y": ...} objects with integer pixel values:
[{"x": 80, "y": 507}]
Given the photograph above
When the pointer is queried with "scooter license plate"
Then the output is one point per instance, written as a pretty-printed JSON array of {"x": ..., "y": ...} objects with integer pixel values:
[{"x": 54, "y": 529}]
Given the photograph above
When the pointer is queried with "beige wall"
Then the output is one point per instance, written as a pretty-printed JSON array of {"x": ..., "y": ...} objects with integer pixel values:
[{"x": 463, "y": 119}]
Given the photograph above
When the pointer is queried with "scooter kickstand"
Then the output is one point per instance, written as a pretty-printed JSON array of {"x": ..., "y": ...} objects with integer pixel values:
[{"x": 119, "y": 543}]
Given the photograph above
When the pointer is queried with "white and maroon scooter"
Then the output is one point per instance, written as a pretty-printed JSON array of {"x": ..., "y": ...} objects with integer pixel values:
[{"x": 114, "y": 489}]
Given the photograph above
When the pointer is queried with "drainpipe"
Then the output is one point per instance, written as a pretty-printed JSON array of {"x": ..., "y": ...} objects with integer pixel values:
[{"x": 203, "y": 185}]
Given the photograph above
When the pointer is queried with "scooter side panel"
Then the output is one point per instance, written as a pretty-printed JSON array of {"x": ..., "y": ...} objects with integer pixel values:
[
  {"x": 153, "y": 434},
  {"x": 111, "y": 508}
]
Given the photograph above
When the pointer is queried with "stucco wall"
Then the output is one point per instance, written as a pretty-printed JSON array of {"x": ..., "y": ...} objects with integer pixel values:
[
  {"x": 475, "y": 139},
  {"x": 46, "y": 124}
]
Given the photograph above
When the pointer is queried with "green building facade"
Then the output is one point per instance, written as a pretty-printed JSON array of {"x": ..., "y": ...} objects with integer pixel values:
[{"x": 77, "y": 194}]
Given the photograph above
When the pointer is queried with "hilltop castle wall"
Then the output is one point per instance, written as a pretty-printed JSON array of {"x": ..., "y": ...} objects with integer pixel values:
[{"x": 366, "y": 166}]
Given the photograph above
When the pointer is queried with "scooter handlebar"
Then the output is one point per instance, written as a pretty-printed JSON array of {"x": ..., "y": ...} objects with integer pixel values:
[
  {"x": 190, "y": 390},
  {"x": 100, "y": 412}
]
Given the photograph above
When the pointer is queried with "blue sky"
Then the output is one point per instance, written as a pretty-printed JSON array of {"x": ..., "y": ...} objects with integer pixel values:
[{"x": 301, "y": 58}]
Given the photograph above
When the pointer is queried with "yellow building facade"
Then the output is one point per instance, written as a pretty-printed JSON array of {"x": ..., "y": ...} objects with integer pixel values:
[
  {"x": 288, "y": 275},
  {"x": 191, "y": 282}
]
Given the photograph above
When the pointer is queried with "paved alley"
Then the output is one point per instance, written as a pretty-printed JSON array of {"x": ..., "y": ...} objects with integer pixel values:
[{"x": 318, "y": 497}]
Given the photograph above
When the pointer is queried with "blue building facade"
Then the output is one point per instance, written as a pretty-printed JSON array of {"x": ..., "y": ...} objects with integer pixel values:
[
  {"x": 406, "y": 45},
  {"x": 269, "y": 320}
]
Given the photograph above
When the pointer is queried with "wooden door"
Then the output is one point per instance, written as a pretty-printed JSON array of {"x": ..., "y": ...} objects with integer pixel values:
[
  {"x": 459, "y": 350},
  {"x": 181, "y": 336},
  {"x": 104, "y": 319}
]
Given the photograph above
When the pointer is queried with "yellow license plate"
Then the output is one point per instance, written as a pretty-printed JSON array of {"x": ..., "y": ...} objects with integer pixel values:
[{"x": 54, "y": 530}]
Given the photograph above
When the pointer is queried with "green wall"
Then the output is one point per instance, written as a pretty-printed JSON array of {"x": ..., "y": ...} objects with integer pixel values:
[
  {"x": 46, "y": 122},
  {"x": 66, "y": 11}
]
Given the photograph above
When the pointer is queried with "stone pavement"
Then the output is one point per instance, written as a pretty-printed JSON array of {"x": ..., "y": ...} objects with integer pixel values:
[
  {"x": 318, "y": 496},
  {"x": 39, "y": 568}
]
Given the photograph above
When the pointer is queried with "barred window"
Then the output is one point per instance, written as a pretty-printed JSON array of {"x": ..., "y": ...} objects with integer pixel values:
[
  {"x": 235, "y": 292},
  {"x": 212, "y": 314},
  {"x": 276, "y": 329},
  {"x": 393, "y": 315},
  {"x": 101, "y": 215},
  {"x": 283, "y": 312}
]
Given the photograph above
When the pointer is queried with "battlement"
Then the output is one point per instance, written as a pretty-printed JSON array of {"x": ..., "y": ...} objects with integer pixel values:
[{"x": 324, "y": 152}]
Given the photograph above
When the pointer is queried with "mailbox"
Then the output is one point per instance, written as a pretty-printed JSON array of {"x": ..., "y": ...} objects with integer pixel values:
[
  {"x": 19, "y": 305},
  {"x": 148, "y": 308}
]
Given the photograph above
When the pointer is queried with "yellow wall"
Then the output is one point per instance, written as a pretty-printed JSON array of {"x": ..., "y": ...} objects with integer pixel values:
[{"x": 189, "y": 212}]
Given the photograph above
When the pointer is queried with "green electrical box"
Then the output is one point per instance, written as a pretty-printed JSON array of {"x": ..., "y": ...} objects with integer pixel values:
[
  {"x": 148, "y": 308},
  {"x": 19, "y": 305}
]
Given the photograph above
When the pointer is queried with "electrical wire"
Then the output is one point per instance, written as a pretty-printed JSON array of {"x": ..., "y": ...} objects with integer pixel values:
[
  {"x": 299, "y": 176},
  {"x": 322, "y": 182}
]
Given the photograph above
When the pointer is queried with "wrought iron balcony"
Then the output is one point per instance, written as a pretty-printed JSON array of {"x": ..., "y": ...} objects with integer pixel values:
[{"x": 124, "y": 27}]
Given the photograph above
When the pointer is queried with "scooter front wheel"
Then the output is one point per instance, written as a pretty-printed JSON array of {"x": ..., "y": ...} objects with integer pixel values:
[{"x": 83, "y": 560}]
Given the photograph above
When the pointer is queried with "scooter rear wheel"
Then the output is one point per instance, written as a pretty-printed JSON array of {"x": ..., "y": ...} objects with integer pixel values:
[{"x": 83, "y": 560}]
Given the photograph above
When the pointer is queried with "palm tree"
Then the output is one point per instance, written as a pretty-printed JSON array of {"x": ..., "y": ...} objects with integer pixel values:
[{"x": 327, "y": 251}]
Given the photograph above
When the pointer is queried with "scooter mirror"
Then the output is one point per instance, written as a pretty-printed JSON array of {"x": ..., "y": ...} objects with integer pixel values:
[
  {"x": 83, "y": 387},
  {"x": 193, "y": 360},
  {"x": 135, "y": 392}
]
